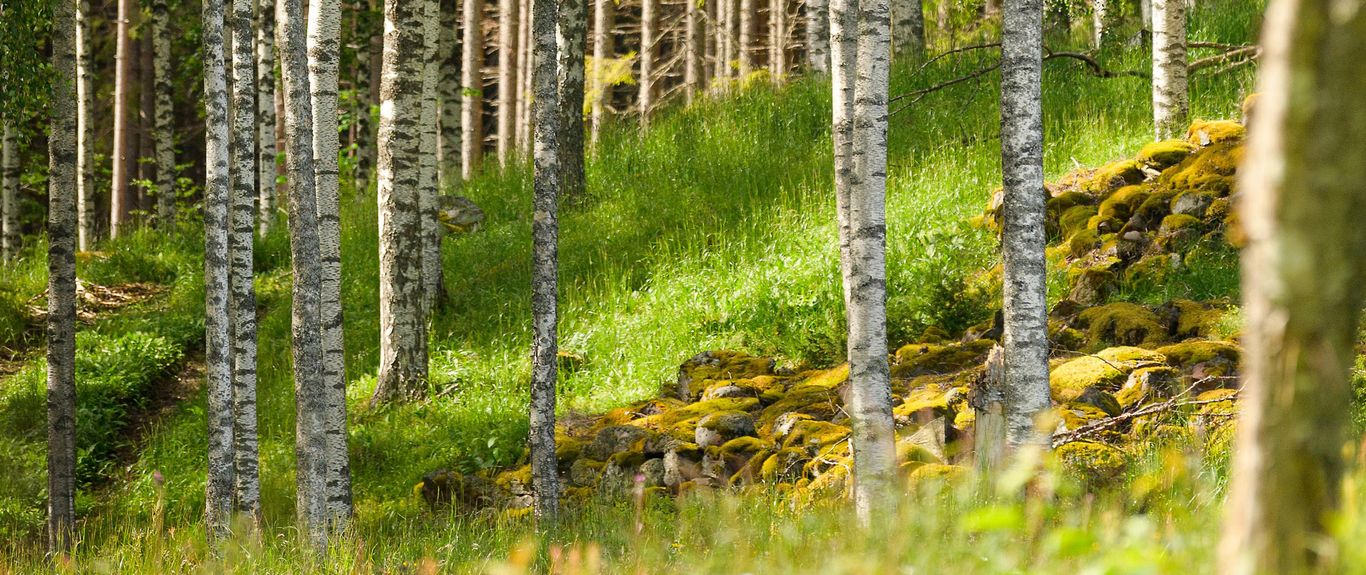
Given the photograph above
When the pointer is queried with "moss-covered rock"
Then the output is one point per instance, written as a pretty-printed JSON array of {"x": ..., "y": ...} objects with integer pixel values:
[
  {"x": 1146, "y": 382},
  {"x": 1090, "y": 284},
  {"x": 1075, "y": 219},
  {"x": 1076, "y": 415},
  {"x": 1121, "y": 323},
  {"x": 616, "y": 439},
  {"x": 934, "y": 473},
  {"x": 1213, "y": 358},
  {"x": 1209, "y": 169},
  {"x": 585, "y": 472},
  {"x": 785, "y": 465},
  {"x": 1206, "y": 132},
  {"x": 1097, "y": 465},
  {"x": 682, "y": 422},
  {"x": 926, "y": 358},
  {"x": 1120, "y": 205},
  {"x": 1113, "y": 176},
  {"x": 1104, "y": 371},
  {"x": 722, "y": 426},
  {"x": 1161, "y": 155},
  {"x": 717, "y": 365},
  {"x": 814, "y": 436}
]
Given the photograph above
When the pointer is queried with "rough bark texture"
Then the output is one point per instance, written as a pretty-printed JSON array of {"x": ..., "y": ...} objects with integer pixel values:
[
  {"x": 1302, "y": 208},
  {"x": 725, "y": 42},
  {"x": 61, "y": 283},
  {"x": 843, "y": 51},
  {"x": 649, "y": 31},
  {"x": 571, "y": 35},
  {"x": 121, "y": 199},
  {"x": 265, "y": 117},
  {"x": 818, "y": 36},
  {"x": 217, "y": 319},
  {"x": 1022, "y": 240},
  {"x": 748, "y": 29},
  {"x": 870, "y": 401},
  {"x": 507, "y": 77},
  {"x": 777, "y": 39},
  {"x": 988, "y": 403},
  {"x": 367, "y": 57},
  {"x": 428, "y": 200},
  {"x": 242, "y": 219},
  {"x": 310, "y": 405},
  {"x": 164, "y": 117},
  {"x": 695, "y": 48},
  {"x": 403, "y": 329},
  {"x": 9, "y": 192},
  {"x": 602, "y": 51},
  {"x": 908, "y": 26},
  {"x": 324, "y": 55},
  {"x": 448, "y": 92},
  {"x": 1171, "y": 100},
  {"x": 85, "y": 136},
  {"x": 545, "y": 261},
  {"x": 472, "y": 81}
]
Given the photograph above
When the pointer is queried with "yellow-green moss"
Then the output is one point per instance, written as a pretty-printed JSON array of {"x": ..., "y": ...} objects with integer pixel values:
[
  {"x": 1159, "y": 155},
  {"x": 1206, "y": 132},
  {"x": 1090, "y": 285},
  {"x": 1220, "y": 402},
  {"x": 931, "y": 473},
  {"x": 1077, "y": 415},
  {"x": 1121, "y": 204},
  {"x": 1082, "y": 242},
  {"x": 1112, "y": 176},
  {"x": 815, "y": 435},
  {"x": 669, "y": 421},
  {"x": 784, "y": 464},
  {"x": 932, "y": 397},
  {"x": 1209, "y": 169},
  {"x": 1154, "y": 207},
  {"x": 1105, "y": 371},
  {"x": 1104, "y": 224},
  {"x": 514, "y": 477},
  {"x": 1187, "y": 354},
  {"x": 814, "y": 400},
  {"x": 924, "y": 358},
  {"x": 743, "y": 445},
  {"x": 1132, "y": 356},
  {"x": 1075, "y": 219},
  {"x": 1177, "y": 222},
  {"x": 1121, "y": 323},
  {"x": 1144, "y": 382},
  {"x": 1095, "y": 464}
]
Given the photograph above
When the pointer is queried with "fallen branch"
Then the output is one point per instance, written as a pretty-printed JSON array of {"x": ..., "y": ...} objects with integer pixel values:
[
  {"x": 1093, "y": 65},
  {"x": 1172, "y": 403},
  {"x": 1250, "y": 52}
]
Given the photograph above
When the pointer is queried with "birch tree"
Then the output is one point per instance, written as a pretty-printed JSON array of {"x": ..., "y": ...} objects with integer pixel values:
[
  {"x": 165, "y": 119},
  {"x": 523, "y": 116},
  {"x": 403, "y": 328},
  {"x": 870, "y": 401},
  {"x": 324, "y": 55},
  {"x": 649, "y": 30},
  {"x": 725, "y": 42},
  {"x": 85, "y": 133},
  {"x": 507, "y": 78},
  {"x": 545, "y": 261},
  {"x": 695, "y": 49},
  {"x": 265, "y": 117},
  {"x": 221, "y": 483},
  {"x": 602, "y": 52},
  {"x": 571, "y": 33},
  {"x": 745, "y": 48},
  {"x": 1171, "y": 103},
  {"x": 1025, "y": 385},
  {"x": 472, "y": 93},
  {"x": 121, "y": 198},
  {"x": 777, "y": 39},
  {"x": 9, "y": 191},
  {"x": 1302, "y": 205},
  {"x": 61, "y": 283},
  {"x": 448, "y": 94},
  {"x": 428, "y": 201},
  {"x": 367, "y": 59},
  {"x": 818, "y": 36},
  {"x": 908, "y": 27},
  {"x": 1098, "y": 15}
]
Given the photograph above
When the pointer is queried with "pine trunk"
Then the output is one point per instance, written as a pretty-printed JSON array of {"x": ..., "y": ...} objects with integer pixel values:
[
  {"x": 403, "y": 329},
  {"x": 324, "y": 56},
  {"x": 472, "y": 81},
  {"x": 1022, "y": 240},
  {"x": 221, "y": 482},
  {"x": 265, "y": 112},
  {"x": 121, "y": 198},
  {"x": 448, "y": 90},
  {"x": 818, "y": 36},
  {"x": 61, "y": 285},
  {"x": 695, "y": 47},
  {"x": 545, "y": 261},
  {"x": 602, "y": 52},
  {"x": 571, "y": 35},
  {"x": 777, "y": 39},
  {"x": 870, "y": 401},
  {"x": 164, "y": 117},
  {"x": 1171, "y": 101},
  {"x": 85, "y": 136},
  {"x": 9, "y": 192},
  {"x": 507, "y": 77},
  {"x": 649, "y": 30},
  {"x": 428, "y": 195},
  {"x": 1302, "y": 205}
]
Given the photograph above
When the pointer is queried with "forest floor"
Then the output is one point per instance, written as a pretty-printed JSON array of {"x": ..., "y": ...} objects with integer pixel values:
[{"x": 713, "y": 231}]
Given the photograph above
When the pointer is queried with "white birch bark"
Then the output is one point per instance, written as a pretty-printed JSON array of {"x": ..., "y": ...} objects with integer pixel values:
[
  {"x": 472, "y": 82},
  {"x": 85, "y": 136},
  {"x": 164, "y": 118},
  {"x": 777, "y": 40},
  {"x": 523, "y": 123},
  {"x": 1301, "y": 206},
  {"x": 545, "y": 258},
  {"x": 908, "y": 26},
  {"x": 745, "y": 48},
  {"x": 508, "y": 84},
  {"x": 649, "y": 31},
  {"x": 818, "y": 36},
  {"x": 265, "y": 116},
  {"x": 1171, "y": 103},
  {"x": 1022, "y": 240},
  {"x": 428, "y": 201},
  {"x": 695, "y": 47},
  {"x": 843, "y": 21},
  {"x": 602, "y": 51},
  {"x": 1098, "y": 15},
  {"x": 9, "y": 192}
]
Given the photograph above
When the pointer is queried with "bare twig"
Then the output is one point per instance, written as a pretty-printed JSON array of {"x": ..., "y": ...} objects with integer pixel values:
[
  {"x": 1250, "y": 52},
  {"x": 1217, "y": 45},
  {"x": 1172, "y": 403},
  {"x": 1093, "y": 65}
]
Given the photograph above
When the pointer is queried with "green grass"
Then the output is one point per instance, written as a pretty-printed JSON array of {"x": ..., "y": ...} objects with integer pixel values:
[{"x": 715, "y": 229}]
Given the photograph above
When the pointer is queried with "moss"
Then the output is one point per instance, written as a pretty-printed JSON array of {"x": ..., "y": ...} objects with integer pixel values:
[
  {"x": 1121, "y": 204},
  {"x": 1121, "y": 323},
  {"x": 514, "y": 478},
  {"x": 1160, "y": 155},
  {"x": 931, "y": 397},
  {"x": 1096, "y": 465},
  {"x": 815, "y": 400},
  {"x": 931, "y": 473},
  {"x": 1177, "y": 222},
  {"x": 585, "y": 472},
  {"x": 1144, "y": 382},
  {"x": 681, "y": 421},
  {"x": 719, "y": 365},
  {"x": 743, "y": 445},
  {"x": 1220, "y": 402},
  {"x": 767, "y": 388},
  {"x": 1104, "y": 224},
  {"x": 784, "y": 465},
  {"x": 1112, "y": 176},
  {"x": 815, "y": 435},
  {"x": 1082, "y": 242},
  {"x": 1206, "y": 132},
  {"x": 1194, "y": 319},
  {"x": 1210, "y": 169},
  {"x": 1156, "y": 206},
  {"x": 1104, "y": 371},
  {"x": 1213, "y": 354},
  {"x": 1090, "y": 285},
  {"x": 921, "y": 358},
  {"x": 1077, "y": 415},
  {"x": 1075, "y": 219}
]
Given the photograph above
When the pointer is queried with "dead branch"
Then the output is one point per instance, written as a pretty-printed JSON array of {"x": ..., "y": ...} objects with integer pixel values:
[
  {"x": 1171, "y": 403},
  {"x": 1246, "y": 52},
  {"x": 1093, "y": 66}
]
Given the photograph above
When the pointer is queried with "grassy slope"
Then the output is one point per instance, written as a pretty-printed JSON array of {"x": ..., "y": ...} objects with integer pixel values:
[{"x": 714, "y": 230}]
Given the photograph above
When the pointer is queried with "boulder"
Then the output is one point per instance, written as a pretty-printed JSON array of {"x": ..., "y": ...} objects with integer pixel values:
[{"x": 718, "y": 428}]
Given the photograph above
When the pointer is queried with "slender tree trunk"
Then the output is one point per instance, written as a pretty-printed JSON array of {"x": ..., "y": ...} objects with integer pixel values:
[
  {"x": 545, "y": 261},
  {"x": 265, "y": 111},
  {"x": 428, "y": 200},
  {"x": 324, "y": 55},
  {"x": 909, "y": 27},
  {"x": 748, "y": 30},
  {"x": 1302, "y": 207},
  {"x": 870, "y": 401},
  {"x": 725, "y": 45},
  {"x": 1146, "y": 8},
  {"x": 777, "y": 39},
  {"x": 85, "y": 137},
  {"x": 448, "y": 89},
  {"x": 403, "y": 329},
  {"x": 472, "y": 79},
  {"x": 523, "y": 124},
  {"x": 145, "y": 158},
  {"x": 818, "y": 36},
  {"x": 121, "y": 197},
  {"x": 61, "y": 285},
  {"x": 221, "y": 482},
  {"x": 649, "y": 31},
  {"x": 9, "y": 184},
  {"x": 695, "y": 45},
  {"x": 602, "y": 52},
  {"x": 310, "y": 446},
  {"x": 164, "y": 117},
  {"x": 843, "y": 21},
  {"x": 1098, "y": 16},
  {"x": 1171, "y": 103},
  {"x": 366, "y": 57},
  {"x": 712, "y": 61},
  {"x": 1022, "y": 241},
  {"x": 508, "y": 85},
  {"x": 571, "y": 35}
]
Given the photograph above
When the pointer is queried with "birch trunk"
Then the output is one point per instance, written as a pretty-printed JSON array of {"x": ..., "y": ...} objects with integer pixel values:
[
  {"x": 571, "y": 35},
  {"x": 524, "y": 81},
  {"x": 1146, "y": 8},
  {"x": 725, "y": 45},
  {"x": 602, "y": 51},
  {"x": 61, "y": 285},
  {"x": 403, "y": 329},
  {"x": 1171, "y": 103},
  {"x": 649, "y": 30},
  {"x": 1098, "y": 8},
  {"x": 324, "y": 55},
  {"x": 432, "y": 287},
  {"x": 85, "y": 135},
  {"x": 9, "y": 192},
  {"x": 1022, "y": 240},
  {"x": 708, "y": 27},
  {"x": 265, "y": 112},
  {"x": 164, "y": 118},
  {"x": 818, "y": 36},
  {"x": 909, "y": 28},
  {"x": 121, "y": 198},
  {"x": 870, "y": 401},
  {"x": 1302, "y": 206},
  {"x": 366, "y": 58},
  {"x": 221, "y": 483},
  {"x": 777, "y": 39},
  {"x": 843, "y": 53},
  {"x": 696, "y": 50},
  {"x": 144, "y": 159},
  {"x": 310, "y": 445},
  {"x": 472, "y": 80},
  {"x": 507, "y": 78},
  {"x": 448, "y": 91},
  {"x": 745, "y": 49},
  {"x": 545, "y": 261}
]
